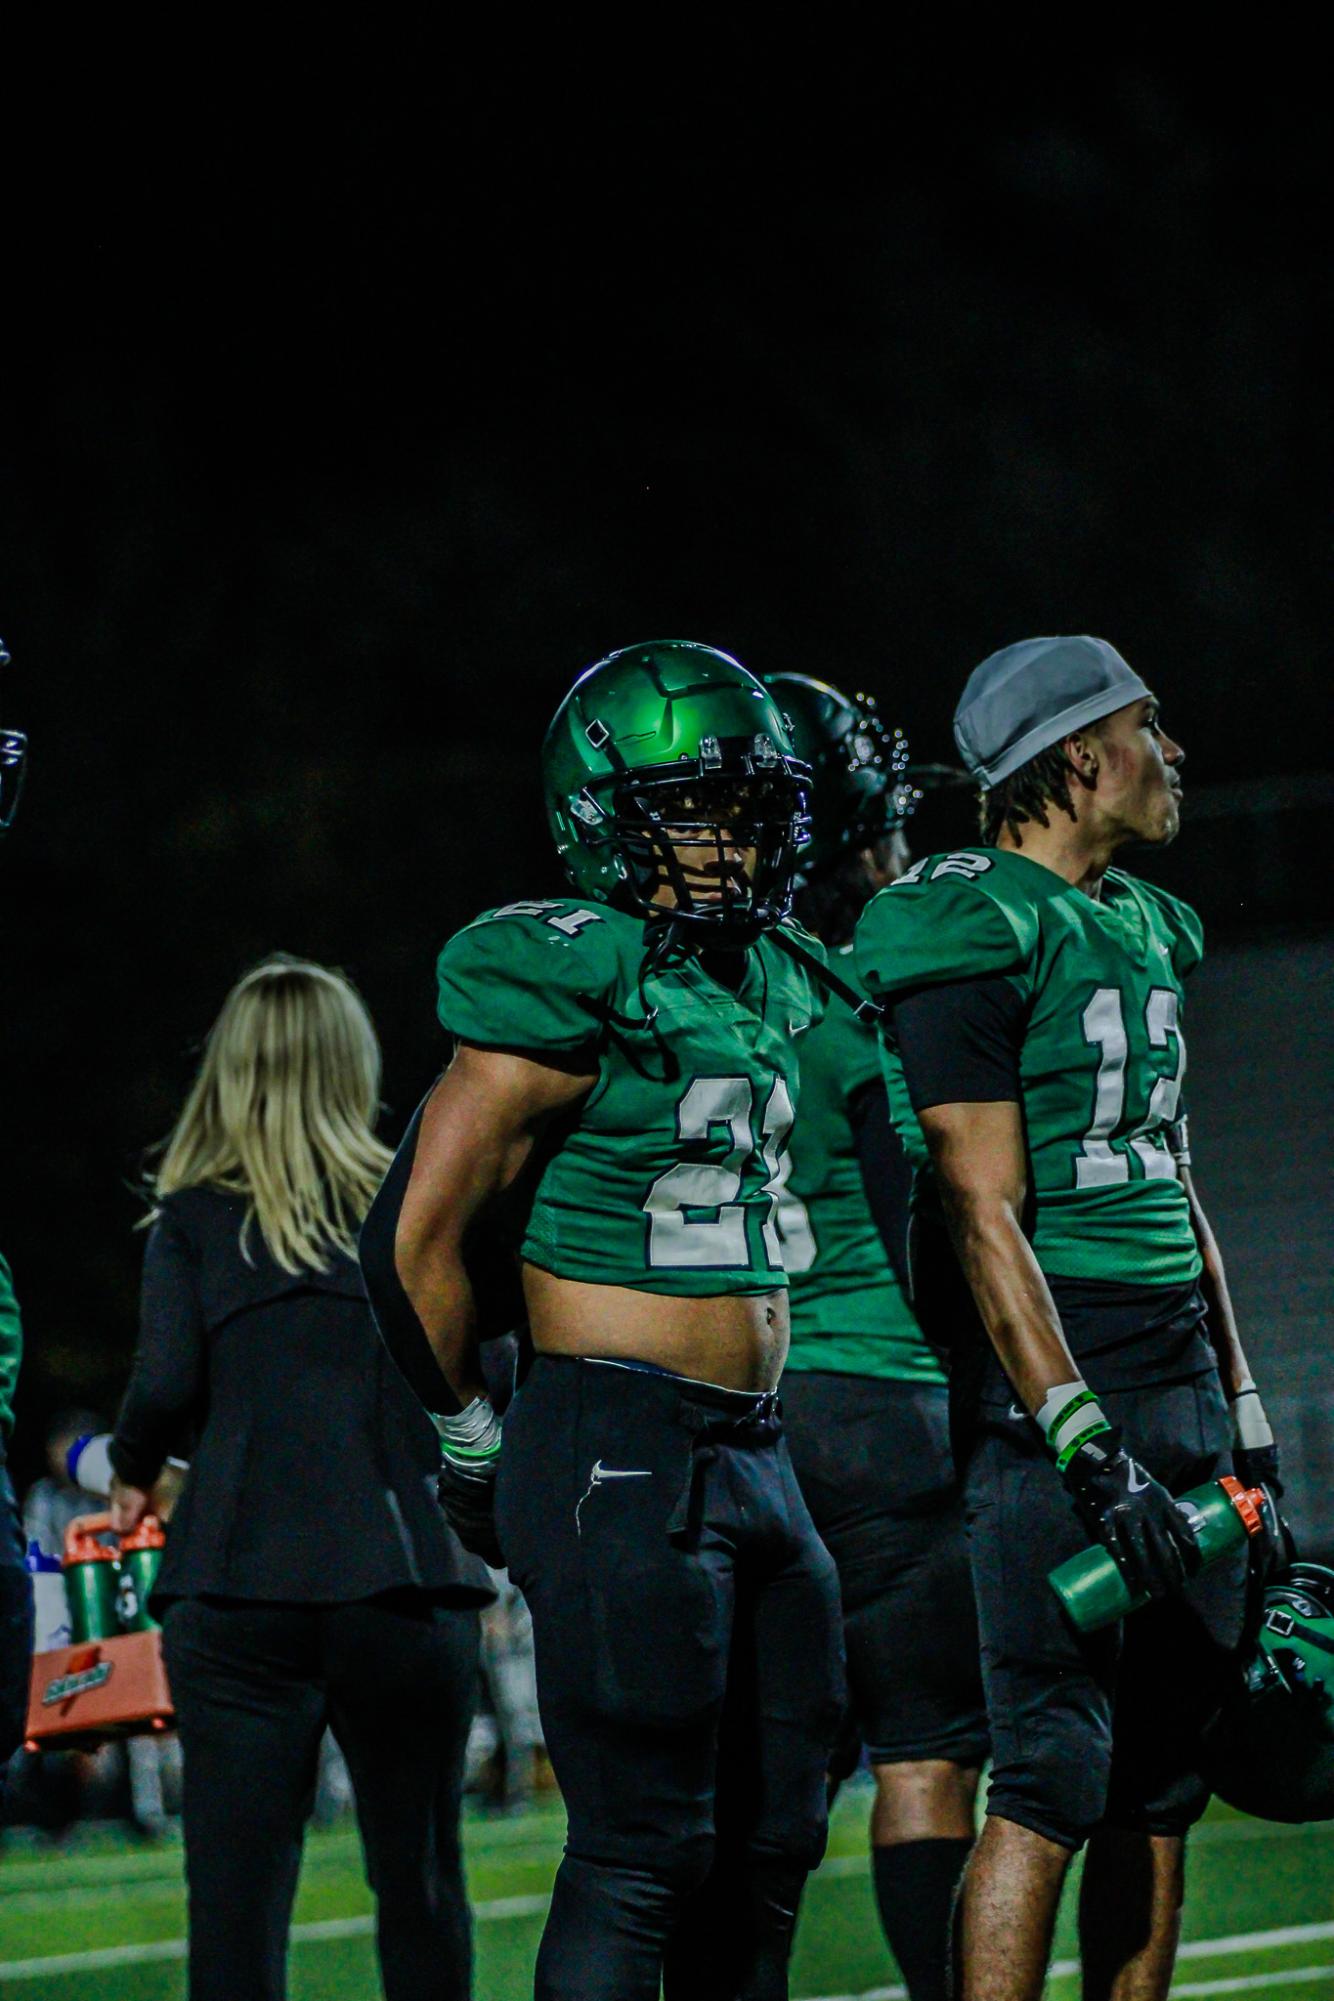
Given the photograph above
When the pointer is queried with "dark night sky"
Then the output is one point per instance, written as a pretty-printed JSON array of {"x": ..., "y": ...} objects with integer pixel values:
[{"x": 346, "y": 416}]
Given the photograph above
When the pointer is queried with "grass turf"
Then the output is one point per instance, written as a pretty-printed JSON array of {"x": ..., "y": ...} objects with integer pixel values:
[{"x": 1259, "y": 1916}]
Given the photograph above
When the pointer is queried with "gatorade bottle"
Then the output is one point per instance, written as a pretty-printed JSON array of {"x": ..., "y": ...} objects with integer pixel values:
[
  {"x": 140, "y": 1557},
  {"x": 1090, "y": 1586},
  {"x": 91, "y": 1576}
]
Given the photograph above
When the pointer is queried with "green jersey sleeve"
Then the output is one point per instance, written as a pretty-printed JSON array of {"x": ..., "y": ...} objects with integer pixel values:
[
  {"x": 529, "y": 976},
  {"x": 1183, "y": 925},
  {"x": 943, "y": 921},
  {"x": 819, "y": 996},
  {"x": 11, "y": 1352}
]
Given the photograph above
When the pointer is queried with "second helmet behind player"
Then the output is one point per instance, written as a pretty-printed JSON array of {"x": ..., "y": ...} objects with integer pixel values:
[
  {"x": 669, "y": 767},
  {"x": 858, "y": 764}
]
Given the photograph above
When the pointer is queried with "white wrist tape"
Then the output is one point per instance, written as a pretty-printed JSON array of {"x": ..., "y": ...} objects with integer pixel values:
[
  {"x": 1251, "y": 1430},
  {"x": 472, "y": 1436},
  {"x": 1067, "y": 1415}
]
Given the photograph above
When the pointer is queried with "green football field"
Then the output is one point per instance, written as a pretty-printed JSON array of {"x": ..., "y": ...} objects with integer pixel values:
[{"x": 105, "y": 1920}]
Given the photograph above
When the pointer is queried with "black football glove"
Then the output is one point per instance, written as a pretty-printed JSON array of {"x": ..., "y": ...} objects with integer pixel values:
[
  {"x": 1132, "y": 1515},
  {"x": 1257, "y": 1466},
  {"x": 468, "y": 1496}
]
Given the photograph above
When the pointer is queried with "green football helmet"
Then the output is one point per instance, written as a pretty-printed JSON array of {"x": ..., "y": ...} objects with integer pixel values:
[
  {"x": 1270, "y": 1749},
  {"x": 13, "y": 762},
  {"x": 668, "y": 746},
  {"x": 859, "y": 767}
]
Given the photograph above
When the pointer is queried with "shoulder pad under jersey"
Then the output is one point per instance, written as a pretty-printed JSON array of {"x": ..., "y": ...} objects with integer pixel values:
[
  {"x": 530, "y": 975},
  {"x": 1183, "y": 926},
  {"x": 951, "y": 917}
]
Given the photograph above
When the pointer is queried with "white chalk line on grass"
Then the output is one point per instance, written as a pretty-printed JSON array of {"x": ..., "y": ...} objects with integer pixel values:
[
  {"x": 21, "y": 1882},
  {"x": 318, "y": 1930},
  {"x": 1242, "y": 1983},
  {"x": 497, "y": 1909},
  {"x": 1256, "y": 1983}
]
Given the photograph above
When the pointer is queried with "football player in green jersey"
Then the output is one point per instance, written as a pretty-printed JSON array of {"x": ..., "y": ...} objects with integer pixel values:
[
  {"x": 15, "y": 1589},
  {"x": 865, "y": 1403},
  {"x": 1037, "y": 1063},
  {"x": 625, "y": 1077}
]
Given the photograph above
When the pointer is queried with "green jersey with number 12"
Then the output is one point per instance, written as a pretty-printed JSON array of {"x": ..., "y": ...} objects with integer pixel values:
[
  {"x": 1103, "y": 1053},
  {"x": 849, "y": 1314},
  {"x": 666, "y": 1179}
]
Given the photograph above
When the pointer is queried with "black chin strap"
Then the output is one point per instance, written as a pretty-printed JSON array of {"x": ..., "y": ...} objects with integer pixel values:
[{"x": 865, "y": 1010}]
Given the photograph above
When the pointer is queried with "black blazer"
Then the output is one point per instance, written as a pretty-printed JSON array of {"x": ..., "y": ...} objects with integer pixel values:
[{"x": 312, "y": 1465}]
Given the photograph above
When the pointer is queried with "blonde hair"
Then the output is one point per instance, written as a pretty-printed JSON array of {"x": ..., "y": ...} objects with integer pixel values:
[{"x": 281, "y": 1112}]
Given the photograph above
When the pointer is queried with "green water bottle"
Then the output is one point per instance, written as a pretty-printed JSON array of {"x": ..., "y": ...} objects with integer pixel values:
[
  {"x": 1091, "y": 1587},
  {"x": 91, "y": 1577},
  {"x": 140, "y": 1559}
]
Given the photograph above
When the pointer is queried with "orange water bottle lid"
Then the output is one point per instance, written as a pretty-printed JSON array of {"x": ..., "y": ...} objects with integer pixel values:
[
  {"x": 1248, "y": 1501},
  {"x": 85, "y": 1549},
  {"x": 149, "y": 1535},
  {"x": 81, "y": 1544}
]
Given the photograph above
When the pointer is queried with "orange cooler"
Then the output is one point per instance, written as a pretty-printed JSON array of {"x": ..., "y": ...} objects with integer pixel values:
[{"x": 108, "y": 1682}]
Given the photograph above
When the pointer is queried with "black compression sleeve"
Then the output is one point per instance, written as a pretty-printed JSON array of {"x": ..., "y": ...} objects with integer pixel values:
[
  {"x": 167, "y": 1385},
  {"x": 886, "y": 1173},
  {"x": 960, "y": 1044},
  {"x": 395, "y": 1316}
]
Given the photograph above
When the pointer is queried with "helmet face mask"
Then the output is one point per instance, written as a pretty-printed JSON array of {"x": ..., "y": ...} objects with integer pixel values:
[
  {"x": 714, "y": 849},
  {"x": 13, "y": 764},
  {"x": 673, "y": 790}
]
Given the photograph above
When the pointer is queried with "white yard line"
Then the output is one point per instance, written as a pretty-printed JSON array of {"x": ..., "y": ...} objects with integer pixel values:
[
  {"x": 1205, "y": 1948},
  {"x": 1197, "y": 1948},
  {"x": 20, "y": 1880},
  {"x": 1256, "y": 1983},
  {"x": 496, "y": 1910},
  {"x": 1243, "y": 1983},
  {"x": 499, "y": 1909}
]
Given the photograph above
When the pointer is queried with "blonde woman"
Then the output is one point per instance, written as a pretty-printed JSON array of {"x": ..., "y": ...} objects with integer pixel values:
[{"x": 309, "y": 1578}]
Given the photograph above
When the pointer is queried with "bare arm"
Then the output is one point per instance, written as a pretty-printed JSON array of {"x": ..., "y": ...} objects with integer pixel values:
[
  {"x": 477, "y": 1133},
  {"x": 1232, "y": 1364},
  {"x": 977, "y": 1152}
]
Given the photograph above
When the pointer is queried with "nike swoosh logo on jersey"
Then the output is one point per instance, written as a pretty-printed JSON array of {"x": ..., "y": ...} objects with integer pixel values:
[{"x": 798, "y": 1027}]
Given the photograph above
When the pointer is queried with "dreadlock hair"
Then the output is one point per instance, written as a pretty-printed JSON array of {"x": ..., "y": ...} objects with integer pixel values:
[
  {"x": 1026, "y": 794},
  {"x": 831, "y": 905}
]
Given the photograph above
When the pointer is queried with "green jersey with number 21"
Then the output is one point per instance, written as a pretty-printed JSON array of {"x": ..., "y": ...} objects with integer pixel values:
[
  {"x": 667, "y": 1177},
  {"x": 1103, "y": 1053}
]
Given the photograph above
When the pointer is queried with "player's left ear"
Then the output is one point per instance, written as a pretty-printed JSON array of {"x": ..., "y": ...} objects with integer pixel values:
[{"x": 1082, "y": 752}]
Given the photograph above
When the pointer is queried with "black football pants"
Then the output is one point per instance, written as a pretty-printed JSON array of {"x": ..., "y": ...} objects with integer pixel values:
[
  {"x": 15, "y": 1627},
  {"x": 254, "y": 1686},
  {"x": 1107, "y": 1725},
  {"x": 690, "y": 1675},
  {"x": 874, "y": 1461}
]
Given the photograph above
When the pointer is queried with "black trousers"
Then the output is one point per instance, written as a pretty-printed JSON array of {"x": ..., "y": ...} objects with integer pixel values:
[
  {"x": 1098, "y": 1726},
  {"x": 254, "y": 1686},
  {"x": 874, "y": 1461},
  {"x": 690, "y": 1675},
  {"x": 15, "y": 1627}
]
